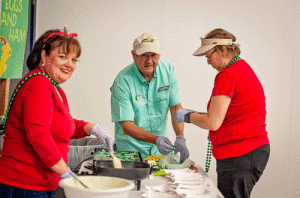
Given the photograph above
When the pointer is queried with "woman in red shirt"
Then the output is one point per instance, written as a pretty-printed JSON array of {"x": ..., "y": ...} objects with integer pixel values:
[
  {"x": 38, "y": 124},
  {"x": 235, "y": 116}
]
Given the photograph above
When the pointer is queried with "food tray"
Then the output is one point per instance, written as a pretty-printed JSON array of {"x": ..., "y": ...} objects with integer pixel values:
[{"x": 102, "y": 154}]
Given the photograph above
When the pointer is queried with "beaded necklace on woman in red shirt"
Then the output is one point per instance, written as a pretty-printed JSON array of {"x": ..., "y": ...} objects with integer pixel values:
[{"x": 19, "y": 87}]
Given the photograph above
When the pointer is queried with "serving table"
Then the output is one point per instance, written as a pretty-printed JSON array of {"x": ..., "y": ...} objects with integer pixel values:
[
  {"x": 153, "y": 181},
  {"x": 160, "y": 180}
]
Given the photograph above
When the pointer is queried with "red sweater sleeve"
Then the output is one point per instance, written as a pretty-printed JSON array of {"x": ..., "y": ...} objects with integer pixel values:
[{"x": 79, "y": 129}]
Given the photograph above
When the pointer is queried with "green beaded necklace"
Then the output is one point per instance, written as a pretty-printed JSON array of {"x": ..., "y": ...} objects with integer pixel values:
[
  {"x": 233, "y": 60},
  {"x": 209, "y": 147},
  {"x": 17, "y": 90},
  {"x": 208, "y": 155}
]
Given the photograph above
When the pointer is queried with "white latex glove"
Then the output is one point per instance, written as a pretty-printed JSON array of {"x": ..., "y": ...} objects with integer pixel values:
[
  {"x": 104, "y": 135},
  {"x": 68, "y": 174}
]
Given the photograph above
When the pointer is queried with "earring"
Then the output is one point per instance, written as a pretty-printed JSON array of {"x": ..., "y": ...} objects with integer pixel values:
[{"x": 43, "y": 64}]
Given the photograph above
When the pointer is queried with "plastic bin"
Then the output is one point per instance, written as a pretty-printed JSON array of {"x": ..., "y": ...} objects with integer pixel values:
[{"x": 80, "y": 150}]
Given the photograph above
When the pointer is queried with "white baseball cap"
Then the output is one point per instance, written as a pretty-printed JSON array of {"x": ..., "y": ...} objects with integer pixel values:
[
  {"x": 146, "y": 43},
  {"x": 208, "y": 44}
]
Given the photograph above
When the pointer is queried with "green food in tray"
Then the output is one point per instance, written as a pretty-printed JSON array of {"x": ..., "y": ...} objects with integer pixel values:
[{"x": 122, "y": 155}]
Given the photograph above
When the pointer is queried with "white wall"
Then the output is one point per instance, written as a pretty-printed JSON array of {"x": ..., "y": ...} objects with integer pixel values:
[{"x": 266, "y": 30}]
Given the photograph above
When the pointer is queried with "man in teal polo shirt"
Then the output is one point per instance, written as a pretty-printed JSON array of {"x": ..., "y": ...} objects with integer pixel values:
[{"x": 141, "y": 96}]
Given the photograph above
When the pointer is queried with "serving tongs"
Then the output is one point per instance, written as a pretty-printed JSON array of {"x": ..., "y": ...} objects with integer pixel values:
[
  {"x": 116, "y": 161},
  {"x": 77, "y": 179}
]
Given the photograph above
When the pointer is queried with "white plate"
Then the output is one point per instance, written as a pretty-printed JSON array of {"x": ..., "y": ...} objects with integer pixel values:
[
  {"x": 159, "y": 188},
  {"x": 154, "y": 194},
  {"x": 185, "y": 192},
  {"x": 186, "y": 176},
  {"x": 189, "y": 186},
  {"x": 174, "y": 171},
  {"x": 195, "y": 182}
]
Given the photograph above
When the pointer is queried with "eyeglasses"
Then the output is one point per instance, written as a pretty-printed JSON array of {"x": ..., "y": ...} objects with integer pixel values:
[{"x": 208, "y": 57}]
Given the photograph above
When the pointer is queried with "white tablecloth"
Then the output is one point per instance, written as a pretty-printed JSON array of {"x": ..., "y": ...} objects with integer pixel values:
[{"x": 160, "y": 180}]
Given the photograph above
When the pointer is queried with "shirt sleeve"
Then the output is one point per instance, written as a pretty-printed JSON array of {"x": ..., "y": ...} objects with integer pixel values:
[
  {"x": 121, "y": 102},
  {"x": 38, "y": 112},
  {"x": 224, "y": 85},
  {"x": 79, "y": 129},
  {"x": 174, "y": 88}
]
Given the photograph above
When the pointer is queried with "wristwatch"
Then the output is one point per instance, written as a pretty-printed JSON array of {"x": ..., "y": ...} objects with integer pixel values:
[{"x": 187, "y": 117}]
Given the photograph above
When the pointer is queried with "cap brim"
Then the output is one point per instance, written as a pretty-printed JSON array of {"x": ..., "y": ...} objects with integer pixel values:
[
  {"x": 203, "y": 49},
  {"x": 147, "y": 48}
]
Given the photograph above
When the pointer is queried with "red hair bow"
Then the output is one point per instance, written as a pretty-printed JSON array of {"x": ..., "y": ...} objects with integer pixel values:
[{"x": 61, "y": 33}]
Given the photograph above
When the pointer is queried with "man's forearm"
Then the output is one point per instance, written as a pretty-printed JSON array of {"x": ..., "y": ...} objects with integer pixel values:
[
  {"x": 136, "y": 132},
  {"x": 178, "y": 127}
]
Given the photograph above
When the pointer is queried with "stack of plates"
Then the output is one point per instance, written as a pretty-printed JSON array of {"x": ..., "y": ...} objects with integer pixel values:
[
  {"x": 183, "y": 183},
  {"x": 187, "y": 183}
]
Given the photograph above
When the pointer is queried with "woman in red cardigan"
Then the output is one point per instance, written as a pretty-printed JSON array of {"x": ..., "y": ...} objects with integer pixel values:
[
  {"x": 235, "y": 116},
  {"x": 38, "y": 125}
]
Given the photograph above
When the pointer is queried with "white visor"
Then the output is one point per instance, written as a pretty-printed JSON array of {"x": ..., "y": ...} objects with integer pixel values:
[{"x": 207, "y": 44}]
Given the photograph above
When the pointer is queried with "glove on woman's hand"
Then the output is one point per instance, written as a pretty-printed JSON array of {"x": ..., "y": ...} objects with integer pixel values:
[
  {"x": 180, "y": 114},
  {"x": 164, "y": 145},
  {"x": 104, "y": 135},
  {"x": 182, "y": 148},
  {"x": 68, "y": 174}
]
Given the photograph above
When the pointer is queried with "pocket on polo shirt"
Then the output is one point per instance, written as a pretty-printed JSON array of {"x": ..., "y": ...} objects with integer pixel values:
[
  {"x": 162, "y": 102},
  {"x": 161, "y": 96}
]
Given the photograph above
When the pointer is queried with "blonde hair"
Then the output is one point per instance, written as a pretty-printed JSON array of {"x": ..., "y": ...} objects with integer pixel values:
[{"x": 233, "y": 49}]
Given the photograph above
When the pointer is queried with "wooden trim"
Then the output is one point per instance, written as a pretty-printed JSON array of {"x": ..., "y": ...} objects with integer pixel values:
[{"x": 4, "y": 92}]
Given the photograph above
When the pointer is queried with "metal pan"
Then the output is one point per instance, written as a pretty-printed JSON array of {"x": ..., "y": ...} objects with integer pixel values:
[{"x": 130, "y": 170}]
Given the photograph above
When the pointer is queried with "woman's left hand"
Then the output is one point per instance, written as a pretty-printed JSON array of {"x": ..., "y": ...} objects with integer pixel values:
[
  {"x": 180, "y": 114},
  {"x": 104, "y": 135},
  {"x": 67, "y": 174}
]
